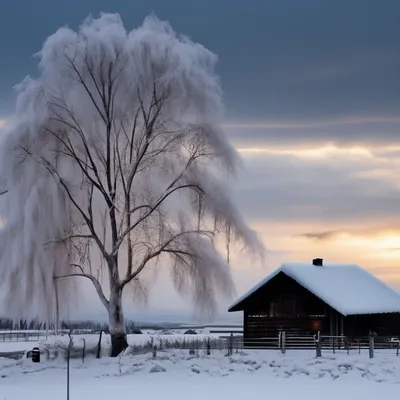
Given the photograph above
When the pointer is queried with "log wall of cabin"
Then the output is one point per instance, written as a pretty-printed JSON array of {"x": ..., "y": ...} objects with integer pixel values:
[
  {"x": 283, "y": 304},
  {"x": 380, "y": 324}
]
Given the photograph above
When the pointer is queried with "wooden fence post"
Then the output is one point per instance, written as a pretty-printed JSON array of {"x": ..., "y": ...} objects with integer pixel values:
[
  {"x": 230, "y": 344},
  {"x": 192, "y": 351},
  {"x": 371, "y": 345},
  {"x": 318, "y": 347},
  {"x": 83, "y": 350},
  {"x": 347, "y": 346},
  {"x": 283, "y": 342},
  {"x": 98, "y": 354},
  {"x": 154, "y": 351},
  {"x": 398, "y": 345},
  {"x": 208, "y": 347}
]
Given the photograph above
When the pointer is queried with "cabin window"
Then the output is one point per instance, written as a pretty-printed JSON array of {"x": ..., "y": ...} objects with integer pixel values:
[
  {"x": 282, "y": 307},
  {"x": 256, "y": 326},
  {"x": 315, "y": 308},
  {"x": 289, "y": 307},
  {"x": 272, "y": 309}
]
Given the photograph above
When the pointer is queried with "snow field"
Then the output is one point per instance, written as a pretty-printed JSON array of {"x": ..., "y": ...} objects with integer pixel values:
[
  {"x": 385, "y": 367},
  {"x": 177, "y": 374}
]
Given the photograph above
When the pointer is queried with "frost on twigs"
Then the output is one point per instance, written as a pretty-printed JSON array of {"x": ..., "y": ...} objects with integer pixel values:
[{"x": 114, "y": 159}]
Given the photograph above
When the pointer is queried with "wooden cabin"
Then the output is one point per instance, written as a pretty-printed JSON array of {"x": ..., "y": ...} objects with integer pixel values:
[{"x": 334, "y": 299}]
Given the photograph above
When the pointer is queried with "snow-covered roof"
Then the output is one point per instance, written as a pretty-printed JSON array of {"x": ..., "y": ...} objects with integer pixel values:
[{"x": 347, "y": 288}]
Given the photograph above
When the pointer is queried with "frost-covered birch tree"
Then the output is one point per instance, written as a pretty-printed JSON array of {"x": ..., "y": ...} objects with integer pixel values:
[{"x": 113, "y": 162}]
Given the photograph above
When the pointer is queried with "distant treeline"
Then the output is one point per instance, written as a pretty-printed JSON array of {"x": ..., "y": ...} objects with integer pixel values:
[
  {"x": 8, "y": 324},
  {"x": 131, "y": 326}
]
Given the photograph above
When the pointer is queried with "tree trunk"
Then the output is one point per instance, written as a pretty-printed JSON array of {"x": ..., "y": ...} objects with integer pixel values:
[{"x": 116, "y": 322}]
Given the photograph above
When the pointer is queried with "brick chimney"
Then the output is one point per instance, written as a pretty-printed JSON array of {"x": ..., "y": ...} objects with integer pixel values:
[{"x": 318, "y": 262}]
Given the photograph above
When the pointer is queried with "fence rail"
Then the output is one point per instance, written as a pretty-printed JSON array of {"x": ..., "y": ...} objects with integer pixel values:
[
  {"x": 320, "y": 343},
  {"x": 24, "y": 336},
  {"x": 233, "y": 342},
  {"x": 281, "y": 342},
  {"x": 34, "y": 335}
]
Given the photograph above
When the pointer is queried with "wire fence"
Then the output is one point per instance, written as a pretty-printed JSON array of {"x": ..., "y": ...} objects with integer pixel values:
[
  {"x": 350, "y": 345},
  {"x": 35, "y": 335},
  {"x": 24, "y": 336},
  {"x": 230, "y": 344},
  {"x": 321, "y": 344}
]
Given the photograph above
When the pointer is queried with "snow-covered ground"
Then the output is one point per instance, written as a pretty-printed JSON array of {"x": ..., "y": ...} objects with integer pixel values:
[{"x": 179, "y": 375}]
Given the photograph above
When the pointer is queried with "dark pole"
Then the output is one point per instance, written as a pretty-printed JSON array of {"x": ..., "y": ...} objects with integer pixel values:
[
  {"x": 318, "y": 347},
  {"x": 99, "y": 345},
  {"x": 84, "y": 350},
  {"x": 371, "y": 345},
  {"x": 68, "y": 355}
]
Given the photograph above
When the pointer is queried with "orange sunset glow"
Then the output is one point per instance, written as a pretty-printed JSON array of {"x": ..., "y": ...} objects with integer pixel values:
[{"x": 372, "y": 241}]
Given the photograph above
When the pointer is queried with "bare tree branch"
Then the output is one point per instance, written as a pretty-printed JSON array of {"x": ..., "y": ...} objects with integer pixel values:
[
  {"x": 95, "y": 282},
  {"x": 70, "y": 237},
  {"x": 88, "y": 220},
  {"x": 163, "y": 248},
  {"x": 151, "y": 210}
]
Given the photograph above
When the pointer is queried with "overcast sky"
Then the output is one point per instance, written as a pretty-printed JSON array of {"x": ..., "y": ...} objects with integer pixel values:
[{"x": 312, "y": 91}]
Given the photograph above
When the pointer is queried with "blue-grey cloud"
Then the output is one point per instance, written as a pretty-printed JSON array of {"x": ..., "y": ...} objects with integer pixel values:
[
  {"x": 373, "y": 231},
  {"x": 344, "y": 191},
  {"x": 279, "y": 59},
  {"x": 352, "y": 131}
]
